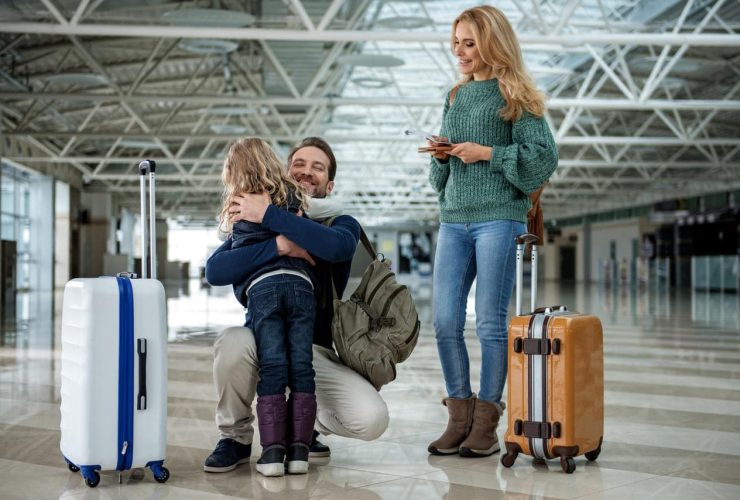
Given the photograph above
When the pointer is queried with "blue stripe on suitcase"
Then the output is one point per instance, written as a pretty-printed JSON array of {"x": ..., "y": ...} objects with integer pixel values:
[{"x": 125, "y": 374}]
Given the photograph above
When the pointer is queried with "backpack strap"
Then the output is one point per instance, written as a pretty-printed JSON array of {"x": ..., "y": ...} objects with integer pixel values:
[
  {"x": 376, "y": 322},
  {"x": 368, "y": 246},
  {"x": 365, "y": 243},
  {"x": 363, "y": 238}
]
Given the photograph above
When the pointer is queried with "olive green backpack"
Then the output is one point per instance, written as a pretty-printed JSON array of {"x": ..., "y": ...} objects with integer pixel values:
[{"x": 378, "y": 326}]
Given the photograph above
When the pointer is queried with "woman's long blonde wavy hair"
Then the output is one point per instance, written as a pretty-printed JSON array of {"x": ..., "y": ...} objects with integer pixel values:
[
  {"x": 251, "y": 166},
  {"x": 499, "y": 48}
]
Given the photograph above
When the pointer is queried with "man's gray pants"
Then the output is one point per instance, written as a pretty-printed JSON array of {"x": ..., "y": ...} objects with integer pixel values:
[{"x": 348, "y": 405}]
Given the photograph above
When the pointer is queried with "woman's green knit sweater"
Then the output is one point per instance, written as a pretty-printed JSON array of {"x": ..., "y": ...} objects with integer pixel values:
[{"x": 524, "y": 156}]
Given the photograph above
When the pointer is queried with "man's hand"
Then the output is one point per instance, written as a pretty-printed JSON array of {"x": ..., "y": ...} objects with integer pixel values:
[
  {"x": 470, "y": 152},
  {"x": 249, "y": 207},
  {"x": 286, "y": 248}
]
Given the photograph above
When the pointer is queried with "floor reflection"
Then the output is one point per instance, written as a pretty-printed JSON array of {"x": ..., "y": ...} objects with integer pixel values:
[{"x": 672, "y": 373}]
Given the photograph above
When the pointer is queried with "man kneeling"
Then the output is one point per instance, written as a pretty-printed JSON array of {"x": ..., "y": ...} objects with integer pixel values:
[{"x": 347, "y": 404}]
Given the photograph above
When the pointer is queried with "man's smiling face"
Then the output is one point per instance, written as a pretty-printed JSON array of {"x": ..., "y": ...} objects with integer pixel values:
[{"x": 310, "y": 168}]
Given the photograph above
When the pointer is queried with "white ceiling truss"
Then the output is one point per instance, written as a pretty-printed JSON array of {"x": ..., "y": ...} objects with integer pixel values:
[{"x": 644, "y": 95}]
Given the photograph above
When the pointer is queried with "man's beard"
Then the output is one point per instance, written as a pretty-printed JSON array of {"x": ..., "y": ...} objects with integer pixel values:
[{"x": 314, "y": 191}]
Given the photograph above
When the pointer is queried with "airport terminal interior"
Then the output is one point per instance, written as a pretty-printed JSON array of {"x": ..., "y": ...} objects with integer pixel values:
[{"x": 641, "y": 222}]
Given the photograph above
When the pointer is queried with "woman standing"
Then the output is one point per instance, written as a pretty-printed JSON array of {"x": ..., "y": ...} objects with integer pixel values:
[{"x": 502, "y": 150}]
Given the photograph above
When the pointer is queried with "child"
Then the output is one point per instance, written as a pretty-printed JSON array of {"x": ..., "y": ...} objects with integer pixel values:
[{"x": 281, "y": 312}]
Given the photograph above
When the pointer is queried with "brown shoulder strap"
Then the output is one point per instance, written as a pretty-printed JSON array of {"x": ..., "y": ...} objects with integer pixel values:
[
  {"x": 365, "y": 243},
  {"x": 368, "y": 246},
  {"x": 363, "y": 238},
  {"x": 535, "y": 216}
]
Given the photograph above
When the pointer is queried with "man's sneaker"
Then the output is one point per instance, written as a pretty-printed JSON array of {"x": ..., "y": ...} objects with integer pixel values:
[
  {"x": 227, "y": 455},
  {"x": 297, "y": 458},
  {"x": 272, "y": 461},
  {"x": 317, "y": 448}
]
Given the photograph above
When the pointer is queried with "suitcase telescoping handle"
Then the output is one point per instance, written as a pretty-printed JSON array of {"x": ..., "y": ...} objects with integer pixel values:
[
  {"x": 521, "y": 244},
  {"x": 148, "y": 167}
]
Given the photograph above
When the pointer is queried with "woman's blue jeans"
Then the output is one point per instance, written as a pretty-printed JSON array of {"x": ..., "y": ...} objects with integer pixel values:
[{"x": 485, "y": 251}]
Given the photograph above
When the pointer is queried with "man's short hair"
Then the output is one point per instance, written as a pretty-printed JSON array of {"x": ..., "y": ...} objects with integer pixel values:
[{"x": 320, "y": 143}]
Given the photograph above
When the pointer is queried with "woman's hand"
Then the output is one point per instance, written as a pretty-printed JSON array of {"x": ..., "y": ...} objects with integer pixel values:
[
  {"x": 470, "y": 152},
  {"x": 441, "y": 155},
  {"x": 249, "y": 207}
]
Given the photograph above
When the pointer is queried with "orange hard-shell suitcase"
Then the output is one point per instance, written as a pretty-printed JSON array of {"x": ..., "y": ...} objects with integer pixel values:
[{"x": 556, "y": 380}]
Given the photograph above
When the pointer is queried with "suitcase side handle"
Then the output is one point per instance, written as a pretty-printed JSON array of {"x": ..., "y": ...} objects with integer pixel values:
[{"x": 141, "y": 397}]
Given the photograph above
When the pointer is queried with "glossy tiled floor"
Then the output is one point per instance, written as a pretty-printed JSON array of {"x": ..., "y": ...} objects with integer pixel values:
[{"x": 672, "y": 412}]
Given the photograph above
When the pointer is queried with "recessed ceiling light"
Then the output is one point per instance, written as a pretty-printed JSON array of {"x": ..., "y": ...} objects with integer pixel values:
[
  {"x": 404, "y": 22},
  {"x": 420, "y": 83},
  {"x": 643, "y": 148},
  {"x": 664, "y": 186},
  {"x": 589, "y": 120},
  {"x": 138, "y": 144},
  {"x": 226, "y": 128},
  {"x": 539, "y": 69},
  {"x": 336, "y": 126},
  {"x": 571, "y": 43},
  {"x": 371, "y": 82},
  {"x": 228, "y": 110},
  {"x": 81, "y": 79},
  {"x": 647, "y": 63},
  {"x": 208, "y": 46},
  {"x": 209, "y": 17},
  {"x": 673, "y": 83},
  {"x": 371, "y": 60},
  {"x": 353, "y": 118}
]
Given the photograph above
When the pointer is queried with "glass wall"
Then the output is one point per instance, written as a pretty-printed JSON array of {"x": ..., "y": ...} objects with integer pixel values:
[{"x": 15, "y": 194}]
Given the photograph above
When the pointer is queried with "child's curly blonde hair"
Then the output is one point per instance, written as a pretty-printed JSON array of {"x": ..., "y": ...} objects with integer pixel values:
[{"x": 251, "y": 166}]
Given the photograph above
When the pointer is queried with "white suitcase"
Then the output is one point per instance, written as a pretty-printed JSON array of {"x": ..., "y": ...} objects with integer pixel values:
[{"x": 114, "y": 368}]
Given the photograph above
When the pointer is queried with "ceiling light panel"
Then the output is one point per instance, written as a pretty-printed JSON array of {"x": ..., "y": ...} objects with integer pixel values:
[
  {"x": 218, "y": 18},
  {"x": 228, "y": 111},
  {"x": 227, "y": 128},
  {"x": 371, "y": 60},
  {"x": 404, "y": 22},
  {"x": 77, "y": 79},
  {"x": 208, "y": 46},
  {"x": 138, "y": 144},
  {"x": 370, "y": 82},
  {"x": 681, "y": 66}
]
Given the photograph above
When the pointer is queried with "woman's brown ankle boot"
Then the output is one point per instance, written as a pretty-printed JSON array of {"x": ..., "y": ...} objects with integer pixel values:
[
  {"x": 460, "y": 416},
  {"x": 482, "y": 440}
]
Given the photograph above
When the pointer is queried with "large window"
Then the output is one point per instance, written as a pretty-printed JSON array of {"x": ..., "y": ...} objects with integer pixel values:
[{"x": 16, "y": 220}]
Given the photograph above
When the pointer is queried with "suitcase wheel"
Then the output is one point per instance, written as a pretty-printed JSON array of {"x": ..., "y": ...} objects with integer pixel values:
[
  {"x": 568, "y": 465},
  {"x": 593, "y": 454},
  {"x": 73, "y": 467},
  {"x": 164, "y": 476},
  {"x": 161, "y": 474},
  {"x": 508, "y": 459},
  {"x": 94, "y": 480}
]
